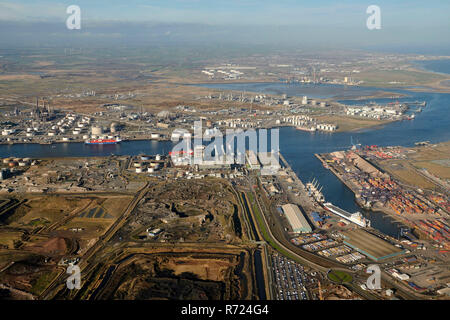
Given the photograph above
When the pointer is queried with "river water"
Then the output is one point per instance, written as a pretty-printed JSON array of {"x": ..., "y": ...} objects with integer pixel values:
[{"x": 298, "y": 147}]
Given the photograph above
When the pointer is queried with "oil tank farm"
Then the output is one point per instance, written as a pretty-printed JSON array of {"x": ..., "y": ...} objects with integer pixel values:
[
  {"x": 296, "y": 219},
  {"x": 372, "y": 246}
]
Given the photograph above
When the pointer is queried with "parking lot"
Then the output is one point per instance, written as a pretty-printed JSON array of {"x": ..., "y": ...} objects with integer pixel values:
[{"x": 291, "y": 280}]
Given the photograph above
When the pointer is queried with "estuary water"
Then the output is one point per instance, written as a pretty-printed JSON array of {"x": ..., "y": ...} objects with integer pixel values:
[
  {"x": 298, "y": 147},
  {"x": 440, "y": 66}
]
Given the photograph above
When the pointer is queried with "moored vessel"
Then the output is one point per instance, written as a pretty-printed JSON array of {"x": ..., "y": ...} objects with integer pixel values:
[
  {"x": 103, "y": 141},
  {"x": 356, "y": 217}
]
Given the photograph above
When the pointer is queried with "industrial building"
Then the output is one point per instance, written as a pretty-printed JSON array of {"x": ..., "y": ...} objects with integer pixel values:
[
  {"x": 372, "y": 246},
  {"x": 253, "y": 160},
  {"x": 270, "y": 162},
  {"x": 296, "y": 218}
]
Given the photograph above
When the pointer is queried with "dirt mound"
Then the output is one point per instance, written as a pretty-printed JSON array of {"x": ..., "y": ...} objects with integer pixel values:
[{"x": 53, "y": 246}]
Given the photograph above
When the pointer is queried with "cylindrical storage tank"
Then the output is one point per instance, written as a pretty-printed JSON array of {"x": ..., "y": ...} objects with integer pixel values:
[
  {"x": 137, "y": 164},
  {"x": 22, "y": 164},
  {"x": 145, "y": 158},
  {"x": 75, "y": 132},
  {"x": 138, "y": 170},
  {"x": 7, "y": 160},
  {"x": 29, "y": 129},
  {"x": 155, "y": 135},
  {"x": 29, "y": 134},
  {"x": 65, "y": 139},
  {"x": 150, "y": 170},
  {"x": 158, "y": 157}
]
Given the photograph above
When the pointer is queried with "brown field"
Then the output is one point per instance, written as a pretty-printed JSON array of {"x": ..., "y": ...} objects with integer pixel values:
[
  {"x": 52, "y": 246},
  {"x": 50, "y": 208},
  {"x": 210, "y": 269},
  {"x": 407, "y": 174},
  {"x": 410, "y": 77},
  {"x": 433, "y": 158},
  {"x": 13, "y": 77},
  {"x": 7, "y": 238},
  {"x": 351, "y": 123}
]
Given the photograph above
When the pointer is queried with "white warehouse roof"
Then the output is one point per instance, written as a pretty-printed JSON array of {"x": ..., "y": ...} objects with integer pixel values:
[{"x": 296, "y": 218}]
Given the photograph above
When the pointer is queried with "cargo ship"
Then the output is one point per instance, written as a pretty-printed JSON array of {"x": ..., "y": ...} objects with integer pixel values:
[
  {"x": 356, "y": 217},
  {"x": 315, "y": 191},
  {"x": 103, "y": 141}
]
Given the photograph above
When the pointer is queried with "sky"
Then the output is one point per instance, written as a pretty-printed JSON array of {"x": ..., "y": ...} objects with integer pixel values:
[{"x": 404, "y": 23}]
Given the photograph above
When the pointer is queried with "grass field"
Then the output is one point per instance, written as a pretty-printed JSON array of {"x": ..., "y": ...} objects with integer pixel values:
[{"x": 339, "y": 277}]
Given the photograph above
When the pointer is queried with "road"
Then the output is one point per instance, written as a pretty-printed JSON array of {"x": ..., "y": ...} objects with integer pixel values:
[{"x": 99, "y": 244}]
